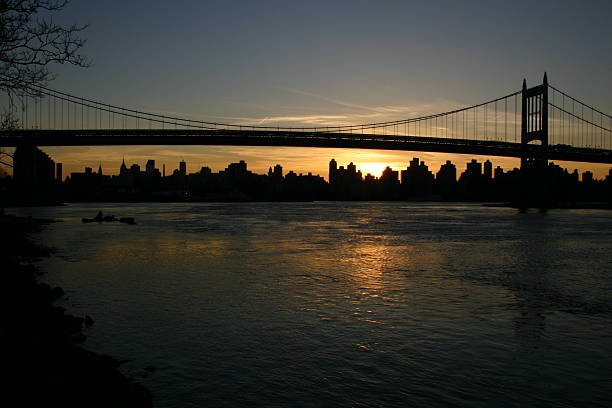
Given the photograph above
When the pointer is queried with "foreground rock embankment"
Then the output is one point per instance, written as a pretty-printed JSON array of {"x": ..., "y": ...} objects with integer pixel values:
[{"x": 43, "y": 363}]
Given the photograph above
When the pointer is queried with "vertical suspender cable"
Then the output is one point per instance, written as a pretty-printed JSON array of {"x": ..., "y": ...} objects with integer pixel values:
[
  {"x": 563, "y": 118},
  {"x": 592, "y": 130},
  {"x": 515, "y": 116},
  {"x": 572, "y": 124},
  {"x": 475, "y": 119},
  {"x": 601, "y": 137},
  {"x": 582, "y": 127},
  {"x": 505, "y": 118},
  {"x": 495, "y": 135},
  {"x": 552, "y": 111},
  {"x": 485, "y": 121}
]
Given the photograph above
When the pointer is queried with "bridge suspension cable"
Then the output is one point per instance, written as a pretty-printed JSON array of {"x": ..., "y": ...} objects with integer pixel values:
[
  {"x": 571, "y": 122},
  {"x": 69, "y": 112},
  {"x": 577, "y": 124}
]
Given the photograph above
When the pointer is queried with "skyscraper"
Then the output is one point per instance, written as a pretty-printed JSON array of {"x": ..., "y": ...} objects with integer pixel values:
[
  {"x": 447, "y": 173},
  {"x": 473, "y": 169},
  {"x": 333, "y": 168},
  {"x": 278, "y": 171},
  {"x": 150, "y": 167},
  {"x": 488, "y": 170},
  {"x": 351, "y": 168},
  {"x": 123, "y": 169}
]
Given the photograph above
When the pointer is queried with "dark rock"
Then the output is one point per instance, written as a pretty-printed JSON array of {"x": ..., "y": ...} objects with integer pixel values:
[{"x": 42, "y": 364}]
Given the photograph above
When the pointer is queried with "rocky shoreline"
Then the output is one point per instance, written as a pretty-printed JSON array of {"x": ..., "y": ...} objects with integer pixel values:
[{"x": 40, "y": 343}]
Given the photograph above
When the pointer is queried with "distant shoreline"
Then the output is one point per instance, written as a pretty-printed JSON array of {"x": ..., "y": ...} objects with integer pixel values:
[
  {"x": 573, "y": 206},
  {"x": 576, "y": 206}
]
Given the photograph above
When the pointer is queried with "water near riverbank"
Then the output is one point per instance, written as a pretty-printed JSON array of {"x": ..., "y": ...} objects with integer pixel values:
[
  {"x": 344, "y": 304},
  {"x": 42, "y": 362}
]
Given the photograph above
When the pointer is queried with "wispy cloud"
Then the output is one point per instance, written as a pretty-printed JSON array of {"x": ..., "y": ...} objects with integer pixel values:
[
  {"x": 346, "y": 113},
  {"x": 372, "y": 115},
  {"x": 320, "y": 120},
  {"x": 327, "y": 99},
  {"x": 404, "y": 109}
]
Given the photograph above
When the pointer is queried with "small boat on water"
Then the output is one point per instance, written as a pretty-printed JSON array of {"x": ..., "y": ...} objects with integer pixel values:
[{"x": 108, "y": 218}]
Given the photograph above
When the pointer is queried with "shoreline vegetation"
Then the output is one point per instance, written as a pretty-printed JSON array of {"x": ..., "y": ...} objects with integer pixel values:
[{"x": 43, "y": 361}]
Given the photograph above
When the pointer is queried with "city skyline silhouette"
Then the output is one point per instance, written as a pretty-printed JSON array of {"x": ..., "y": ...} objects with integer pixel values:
[
  {"x": 309, "y": 85},
  {"x": 40, "y": 179},
  {"x": 277, "y": 203}
]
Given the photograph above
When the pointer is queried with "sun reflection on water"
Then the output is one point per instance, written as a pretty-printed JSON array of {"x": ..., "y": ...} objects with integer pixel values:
[
  {"x": 404, "y": 298},
  {"x": 366, "y": 260}
]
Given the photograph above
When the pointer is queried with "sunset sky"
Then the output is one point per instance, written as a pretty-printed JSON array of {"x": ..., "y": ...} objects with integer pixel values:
[{"x": 300, "y": 63}]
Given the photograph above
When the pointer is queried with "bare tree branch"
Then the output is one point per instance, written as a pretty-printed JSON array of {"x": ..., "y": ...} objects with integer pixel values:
[{"x": 30, "y": 41}]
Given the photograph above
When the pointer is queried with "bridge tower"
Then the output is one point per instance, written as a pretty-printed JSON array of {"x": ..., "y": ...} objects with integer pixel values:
[
  {"x": 534, "y": 188},
  {"x": 534, "y": 125}
]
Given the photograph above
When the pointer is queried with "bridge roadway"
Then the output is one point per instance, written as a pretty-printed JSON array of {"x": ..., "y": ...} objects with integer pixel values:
[{"x": 190, "y": 137}]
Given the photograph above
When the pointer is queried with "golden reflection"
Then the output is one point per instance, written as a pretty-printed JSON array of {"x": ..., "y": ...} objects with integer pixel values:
[
  {"x": 369, "y": 264},
  {"x": 169, "y": 249},
  {"x": 367, "y": 260}
]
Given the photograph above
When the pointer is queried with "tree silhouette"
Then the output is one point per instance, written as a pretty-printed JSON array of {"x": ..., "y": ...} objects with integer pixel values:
[{"x": 30, "y": 41}]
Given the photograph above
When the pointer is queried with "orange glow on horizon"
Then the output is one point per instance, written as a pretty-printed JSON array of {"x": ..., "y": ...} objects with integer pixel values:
[
  {"x": 259, "y": 159},
  {"x": 374, "y": 169}
]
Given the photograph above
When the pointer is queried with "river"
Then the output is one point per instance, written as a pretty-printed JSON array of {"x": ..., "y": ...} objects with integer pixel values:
[{"x": 341, "y": 304}]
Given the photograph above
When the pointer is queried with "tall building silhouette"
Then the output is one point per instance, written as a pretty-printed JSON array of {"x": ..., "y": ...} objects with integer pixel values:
[
  {"x": 278, "y": 171},
  {"x": 446, "y": 181},
  {"x": 150, "y": 167},
  {"x": 123, "y": 170},
  {"x": 499, "y": 172},
  {"x": 488, "y": 170},
  {"x": 333, "y": 169},
  {"x": 417, "y": 179}
]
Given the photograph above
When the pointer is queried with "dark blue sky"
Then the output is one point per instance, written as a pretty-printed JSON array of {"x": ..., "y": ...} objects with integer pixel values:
[{"x": 321, "y": 62}]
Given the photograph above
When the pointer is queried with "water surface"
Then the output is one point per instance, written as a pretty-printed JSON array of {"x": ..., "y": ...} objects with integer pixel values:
[{"x": 344, "y": 304}]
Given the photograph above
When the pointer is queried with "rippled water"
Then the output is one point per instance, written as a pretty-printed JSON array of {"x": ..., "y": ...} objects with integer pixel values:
[{"x": 344, "y": 304}]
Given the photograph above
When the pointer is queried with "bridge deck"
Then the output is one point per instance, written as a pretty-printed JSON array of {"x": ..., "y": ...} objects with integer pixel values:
[{"x": 192, "y": 137}]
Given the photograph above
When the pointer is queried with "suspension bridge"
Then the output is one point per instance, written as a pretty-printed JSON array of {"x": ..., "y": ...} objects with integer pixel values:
[{"x": 535, "y": 124}]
